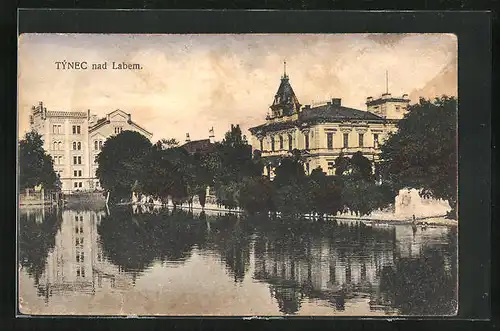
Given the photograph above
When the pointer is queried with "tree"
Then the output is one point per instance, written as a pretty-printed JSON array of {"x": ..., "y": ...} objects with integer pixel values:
[
  {"x": 361, "y": 167},
  {"x": 341, "y": 164},
  {"x": 36, "y": 167},
  {"x": 324, "y": 193},
  {"x": 423, "y": 152},
  {"x": 121, "y": 163},
  {"x": 256, "y": 195}
]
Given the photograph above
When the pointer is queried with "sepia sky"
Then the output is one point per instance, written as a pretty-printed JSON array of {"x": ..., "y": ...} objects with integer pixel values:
[{"x": 190, "y": 83}]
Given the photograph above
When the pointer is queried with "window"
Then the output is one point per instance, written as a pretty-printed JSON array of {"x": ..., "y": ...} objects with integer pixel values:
[
  {"x": 79, "y": 145},
  {"x": 57, "y": 128},
  {"x": 360, "y": 139},
  {"x": 74, "y": 146},
  {"x": 100, "y": 144},
  {"x": 95, "y": 145},
  {"x": 272, "y": 144},
  {"x": 375, "y": 140},
  {"x": 330, "y": 168},
  {"x": 261, "y": 145},
  {"x": 59, "y": 145},
  {"x": 306, "y": 136},
  {"x": 75, "y": 160},
  {"x": 281, "y": 142},
  {"x": 76, "y": 129},
  {"x": 80, "y": 185},
  {"x": 290, "y": 142},
  {"x": 75, "y": 184},
  {"x": 118, "y": 129},
  {"x": 55, "y": 145},
  {"x": 346, "y": 140},
  {"x": 329, "y": 140},
  {"x": 77, "y": 173}
]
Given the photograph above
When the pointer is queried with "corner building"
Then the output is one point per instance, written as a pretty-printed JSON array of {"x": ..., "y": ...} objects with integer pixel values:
[
  {"x": 74, "y": 139},
  {"x": 324, "y": 131}
]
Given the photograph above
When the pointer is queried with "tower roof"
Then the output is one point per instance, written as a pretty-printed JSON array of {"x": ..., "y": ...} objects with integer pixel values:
[{"x": 285, "y": 97}]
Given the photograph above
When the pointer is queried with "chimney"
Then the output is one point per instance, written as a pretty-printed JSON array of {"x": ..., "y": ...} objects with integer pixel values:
[
  {"x": 405, "y": 96},
  {"x": 88, "y": 115},
  {"x": 369, "y": 99},
  {"x": 211, "y": 135},
  {"x": 187, "y": 138},
  {"x": 328, "y": 103},
  {"x": 307, "y": 107},
  {"x": 336, "y": 101}
]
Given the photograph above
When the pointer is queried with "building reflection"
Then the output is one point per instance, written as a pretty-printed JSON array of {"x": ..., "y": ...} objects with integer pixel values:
[
  {"x": 352, "y": 261},
  {"x": 76, "y": 262}
]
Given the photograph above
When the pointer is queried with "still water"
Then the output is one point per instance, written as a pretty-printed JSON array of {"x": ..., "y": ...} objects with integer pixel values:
[{"x": 136, "y": 261}]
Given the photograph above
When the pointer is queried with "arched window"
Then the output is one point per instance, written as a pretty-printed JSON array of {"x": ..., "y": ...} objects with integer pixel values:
[
  {"x": 272, "y": 144},
  {"x": 100, "y": 144},
  {"x": 74, "y": 146},
  {"x": 281, "y": 142},
  {"x": 59, "y": 146},
  {"x": 290, "y": 142},
  {"x": 55, "y": 145},
  {"x": 79, "y": 145},
  {"x": 95, "y": 145}
]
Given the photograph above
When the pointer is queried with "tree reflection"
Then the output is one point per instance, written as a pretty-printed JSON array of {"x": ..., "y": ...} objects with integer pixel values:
[
  {"x": 231, "y": 238},
  {"x": 37, "y": 233},
  {"x": 135, "y": 241},
  {"x": 421, "y": 286}
]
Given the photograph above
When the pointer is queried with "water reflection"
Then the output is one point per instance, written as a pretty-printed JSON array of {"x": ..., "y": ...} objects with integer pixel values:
[{"x": 396, "y": 269}]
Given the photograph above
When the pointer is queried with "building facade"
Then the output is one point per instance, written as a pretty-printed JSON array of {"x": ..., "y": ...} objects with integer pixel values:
[
  {"x": 74, "y": 139},
  {"x": 324, "y": 131}
]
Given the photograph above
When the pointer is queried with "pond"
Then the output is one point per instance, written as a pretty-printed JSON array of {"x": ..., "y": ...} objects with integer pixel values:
[{"x": 138, "y": 261}]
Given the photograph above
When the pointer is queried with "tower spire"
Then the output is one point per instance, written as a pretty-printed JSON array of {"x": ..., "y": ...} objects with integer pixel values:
[{"x": 284, "y": 69}]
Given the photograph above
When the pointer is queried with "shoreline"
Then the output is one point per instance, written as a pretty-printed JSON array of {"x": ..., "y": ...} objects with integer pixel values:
[{"x": 435, "y": 220}]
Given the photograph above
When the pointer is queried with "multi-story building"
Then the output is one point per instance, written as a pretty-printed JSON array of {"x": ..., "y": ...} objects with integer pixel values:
[
  {"x": 74, "y": 139},
  {"x": 323, "y": 131}
]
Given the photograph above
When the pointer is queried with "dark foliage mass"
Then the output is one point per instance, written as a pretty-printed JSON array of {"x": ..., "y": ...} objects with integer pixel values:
[
  {"x": 36, "y": 167},
  {"x": 423, "y": 152},
  {"x": 121, "y": 163}
]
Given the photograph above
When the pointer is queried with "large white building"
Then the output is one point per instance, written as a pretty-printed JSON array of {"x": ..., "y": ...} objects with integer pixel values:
[
  {"x": 74, "y": 139},
  {"x": 323, "y": 131}
]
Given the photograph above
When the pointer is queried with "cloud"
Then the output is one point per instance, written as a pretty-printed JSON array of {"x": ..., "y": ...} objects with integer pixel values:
[{"x": 190, "y": 83}]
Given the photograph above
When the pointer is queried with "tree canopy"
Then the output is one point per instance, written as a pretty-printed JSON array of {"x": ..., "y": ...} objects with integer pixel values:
[
  {"x": 422, "y": 154},
  {"x": 36, "y": 167},
  {"x": 121, "y": 162}
]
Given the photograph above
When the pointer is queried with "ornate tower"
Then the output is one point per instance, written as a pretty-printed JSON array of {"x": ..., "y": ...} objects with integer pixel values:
[{"x": 285, "y": 102}]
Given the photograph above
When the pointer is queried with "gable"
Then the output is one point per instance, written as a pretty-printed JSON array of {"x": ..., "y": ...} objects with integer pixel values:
[{"x": 118, "y": 116}]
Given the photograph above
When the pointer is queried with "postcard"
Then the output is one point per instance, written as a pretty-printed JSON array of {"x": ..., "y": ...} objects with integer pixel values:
[{"x": 238, "y": 174}]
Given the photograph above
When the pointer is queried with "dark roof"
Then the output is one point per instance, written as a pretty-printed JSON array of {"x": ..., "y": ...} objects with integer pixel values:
[
  {"x": 199, "y": 146},
  {"x": 326, "y": 113},
  {"x": 336, "y": 113}
]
